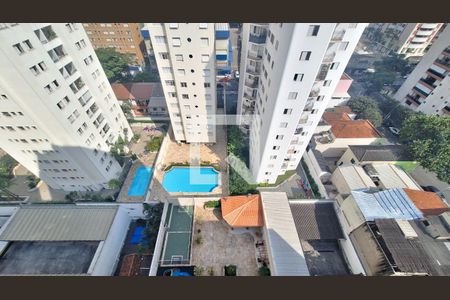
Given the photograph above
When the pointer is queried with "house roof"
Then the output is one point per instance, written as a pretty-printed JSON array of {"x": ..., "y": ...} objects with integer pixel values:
[
  {"x": 137, "y": 90},
  {"x": 428, "y": 202},
  {"x": 60, "y": 223},
  {"x": 242, "y": 211},
  {"x": 286, "y": 252},
  {"x": 316, "y": 221},
  {"x": 350, "y": 177},
  {"x": 393, "y": 203},
  {"x": 381, "y": 153},
  {"x": 342, "y": 126},
  {"x": 391, "y": 176}
]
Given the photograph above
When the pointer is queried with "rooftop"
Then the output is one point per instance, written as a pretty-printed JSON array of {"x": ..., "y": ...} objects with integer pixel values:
[
  {"x": 351, "y": 177},
  {"x": 137, "y": 90},
  {"x": 390, "y": 176},
  {"x": 342, "y": 126},
  {"x": 393, "y": 203},
  {"x": 428, "y": 202},
  {"x": 381, "y": 153},
  {"x": 59, "y": 223},
  {"x": 242, "y": 211}
]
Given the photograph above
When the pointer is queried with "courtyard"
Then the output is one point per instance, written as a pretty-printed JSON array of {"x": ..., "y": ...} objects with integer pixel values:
[{"x": 222, "y": 246}]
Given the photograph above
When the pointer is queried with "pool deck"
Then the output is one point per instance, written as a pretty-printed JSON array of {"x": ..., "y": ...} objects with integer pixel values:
[{"x": 180, "y": 153}]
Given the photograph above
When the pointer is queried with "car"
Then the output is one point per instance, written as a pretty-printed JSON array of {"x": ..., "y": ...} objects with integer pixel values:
[
  {"x": 236, "y": 74},
  {"x": 394, "y": 130}
]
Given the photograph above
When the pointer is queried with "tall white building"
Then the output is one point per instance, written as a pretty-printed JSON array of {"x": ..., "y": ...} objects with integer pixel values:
[
  {"x": 58, "y": 113},
  {"x": 427, "y": 88},
  {"x": 289, "y": 72},
  {"x": 185, "y": 57}
]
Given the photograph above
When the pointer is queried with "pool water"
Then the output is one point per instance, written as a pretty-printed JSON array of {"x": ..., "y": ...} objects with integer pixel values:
[
  {"x": 140, "y": 182},
  {"x": 193, "y": 179}
]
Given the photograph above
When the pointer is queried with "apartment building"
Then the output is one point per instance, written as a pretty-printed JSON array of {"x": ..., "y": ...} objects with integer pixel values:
[
  {"x": 58, "y": 113},
  {"x": 410, "y": 39},
  {"x": 289, "y": 72},
  {"x": 124, "y": 37},
  {"x": 224, "y": 50},
  {"x": 185, "y": 57},
  {"x": 427, "y": 87}
]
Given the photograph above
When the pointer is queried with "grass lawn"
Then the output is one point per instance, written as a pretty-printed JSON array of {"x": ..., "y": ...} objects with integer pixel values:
[
  {"x": 280, "y": 179},
  {"x": 407, "y": 166}
]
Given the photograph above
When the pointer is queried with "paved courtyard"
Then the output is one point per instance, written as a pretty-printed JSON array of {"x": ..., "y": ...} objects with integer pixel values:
[
  {"x": 221, "y": 246},
  {"x": 180, "y": 153}
]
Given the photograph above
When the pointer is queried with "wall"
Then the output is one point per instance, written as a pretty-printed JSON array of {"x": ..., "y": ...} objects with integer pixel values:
[
  {"x": 313, "y": 167},
  {"x": 338, "y": 147},
  {"x": 159, "y": 242}
]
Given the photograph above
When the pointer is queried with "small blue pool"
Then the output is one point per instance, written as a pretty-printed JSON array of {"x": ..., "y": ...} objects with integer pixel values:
[
  {"x": 193, "y": 179},
  {"x": 140, "y": 181}
]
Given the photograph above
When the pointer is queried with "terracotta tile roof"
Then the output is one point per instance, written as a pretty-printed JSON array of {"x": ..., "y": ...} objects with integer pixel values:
[
  {"x": 428, "y": 202},
  {"x": 343, "y": 126},
  {"x": 242, "y": 211},
  {"x": 133, "y": 91}
]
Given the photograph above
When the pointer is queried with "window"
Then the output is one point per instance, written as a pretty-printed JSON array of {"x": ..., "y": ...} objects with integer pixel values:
[
  {"x": 167, "y": 69},
  {"x": 172, "y": 94},
  {"x": 292, "y": 95},
  {"x": 343, "y": 46},
  {"x": 287, "y": 111},
  {"x": 181, "y": 72},
  {"x": 19, "y": 49},
  {"x": 207, "y": 84},
  {"x": 313, "y": 30},
  {"x": 327, "y": 83},
  {"x": 203, "y": 25},
  {"x": 205, "y": 57},
  {"x": 320, "y": 98},
  {"x": 170, "y": 82},
  {"x": 283, "y": 124},
  {"x": 160, "y": 39},
  {"x": 276, "y": 148},
  {"x": 279, "y": 137},
  {"x": 206, "y": 72},
  {"x": 298, "y": 77},
  {"x": 88, "y": 60},
  {"x": 183, "y": 84},
  {"x": 185, "y": 96},
  {"x": 305, "y": 55},
  {"x": 352, "y": 161},
  {"x": 176, "y": 42},
  {"x": 276, "y": 45},
  {"x": 187, "y": 107},
  {"x": 164, "y": 55},
  {"x": 334, "y": 66},
  {"x": 272, "y": 157},
  {"x": 272, "y": 38},
  {"x": 173, "y": 25},
  {"x": 35, "y": 70},
  {"x": 178, "y": 57},
  {"x": 207, "y": 97},
  {"x": 204, "y": 42}
]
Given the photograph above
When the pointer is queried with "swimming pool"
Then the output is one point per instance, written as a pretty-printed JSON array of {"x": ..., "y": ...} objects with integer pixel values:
[
  {"x": 140, "y": 182},
  {"x": 192, "y": 179}
]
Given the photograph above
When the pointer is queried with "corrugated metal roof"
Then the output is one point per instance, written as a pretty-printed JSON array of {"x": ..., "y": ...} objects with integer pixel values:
[
  {"x": 355, "y": 177},
  {"x": 60, "y": 223},
  {"x": 393, "y": 203},
  {"x": 283, "y": 242},
  {"x": 392, "y": 176},
  {"x": 406, "y": 228},
  {"x": 315, "y": 221},
  {"x": 380, "y": 153}
]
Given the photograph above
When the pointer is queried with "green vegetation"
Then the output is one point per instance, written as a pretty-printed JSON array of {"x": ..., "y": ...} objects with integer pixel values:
[
  {"x": 114, "y": 184},
  {"x": 211, "y": 271},
  {"x": 145, "y": 76},
  {"x": 366, "y": 108},
  {"x": 427, "y": 138},
  {"x": 135, "y": 137},
  {"x": 117, "y": 150},
  {"x": 280, "y": 179},
  {"x": 114, "y": 64},
  {"x": 198, "y": 271},
  {"x": 7, "y": 164},
  {"x": 198, "y": 239},
  {"x": 312, "y": 183},
  {"x": 212, "y": 204},
  {"x": 32, "y": 181},
  {"x": 407, "y": 166},
  {"x": 230, "y": 270},
  {"x": 88, "y": 197},
  {"x": 264, "y": 271},
  {"x": 154, "y": 144},
  {"x": 153, "y": 220},
  {"x": 394, "y": 113},
  {"x": 126, "y": 108}
]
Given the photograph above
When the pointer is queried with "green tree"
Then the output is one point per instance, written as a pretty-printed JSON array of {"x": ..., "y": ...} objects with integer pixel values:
[
  {"x": 427, "y": 138},
  {"x": 114, "y": 184},
  {"x": 394, "y": 63},
  {"x": 394, "y": 113},
  {"x": 114, "y": 64},
  {"x": 126, "y": 108},
  {"x": 366, "y": 108}
]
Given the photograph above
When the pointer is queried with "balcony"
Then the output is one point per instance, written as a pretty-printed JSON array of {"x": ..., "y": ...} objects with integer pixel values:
[
  {"x": 443, "y": 63},
  {"x": 323, "y": 71},
  {"x": 429, "y": 82},
  {"x": 45, "y": 34},
  {"x": 420, "y": 92},
  {"x": 435, "y": 74},
  {"x": 254, "y": 56},
  {"x": 251, "y": 83},
  {"x": 57, "y": 53},
  {"x": 77, "y": 85},
  {"x": 415, "y": 99},
  {"x": 446, "y": 110},
  {"x": 446, "y": 52},
  {"x": 338, "y": 36},
  {"x": 257, "y": 39},
  {"x": 68, "y": 70},
  {"x": 84, "y": 99},
  {"x": 254, "y": 70}
]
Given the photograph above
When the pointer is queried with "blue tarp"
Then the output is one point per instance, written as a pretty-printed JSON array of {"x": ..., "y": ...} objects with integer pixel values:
[{"x": 138, "y": 234}]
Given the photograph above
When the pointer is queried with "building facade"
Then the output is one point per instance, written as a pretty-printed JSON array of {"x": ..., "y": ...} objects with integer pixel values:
[
  {"x": 185, "y": 56},
  {"x": 124, "y": 37},
  {"x": 409, "y": 39},
  {"x": 427, "y": 87},
  {"x": 59, "y": 115},
  {"x": 289, "y": 72}
]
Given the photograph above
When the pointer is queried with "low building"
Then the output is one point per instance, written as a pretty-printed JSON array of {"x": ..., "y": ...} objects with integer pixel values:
[
  {"x": 63, "y": 240},
  {"x": 387, "y": 176},
  {"x": 348, "y": 178},
  {"x": 146, "y": 99},
  {"x": 366, "y": 154},
  {"x": 242, "y": 211},
  {"x": 343, "y": 133},
  {"x": 429, "y": 203}
]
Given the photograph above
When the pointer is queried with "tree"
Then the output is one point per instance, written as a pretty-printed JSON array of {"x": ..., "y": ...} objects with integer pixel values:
[
  {"x": 394, "y": 113},
  {"x": 427, "y": 138},
  {"x": 114, "y": 64},
  {"x": 374, "y": 82},
  {"x": 366, "y": 108},
  {"x": 114, "y": 184},
  {"x": 126, "y": 108},
  {"x": 394, "y": 63}
]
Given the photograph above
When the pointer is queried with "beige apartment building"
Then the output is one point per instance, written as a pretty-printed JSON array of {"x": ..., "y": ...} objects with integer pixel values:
[{"x": 125, "y": 37}]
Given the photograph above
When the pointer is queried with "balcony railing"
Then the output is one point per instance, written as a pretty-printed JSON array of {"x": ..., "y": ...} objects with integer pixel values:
[
  {"x": 428, "y": 82},
  {"x": 258, "y": 39},
  {"x": 436, "y": 74},
  {"x": 446, "y": 110},
  {"x": 254, "y": 56},
  {"x": 415, "y": 99},
  {"x": 445, "y": 63},
  {"x": 323, "y": 72},
  {"x": 251, "y": 83},
  {"x": 420, "y": 91}
]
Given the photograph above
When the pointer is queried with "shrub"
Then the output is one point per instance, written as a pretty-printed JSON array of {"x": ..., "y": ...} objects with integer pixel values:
[
  {"x": 211, "y": 271},
  {"x": 32, "y": 181},
  {"x": 198, "y": 271},
  {"x": 230, "y": 270},
  {"x": 135, "y": 137},
  {"x": 212, "y": 204},
  {"x": 264, "y": 271},
  {"x": 154, "y": 144},
  {"x": 114, "y": 184},
  {"x": 199, "y": 239}
]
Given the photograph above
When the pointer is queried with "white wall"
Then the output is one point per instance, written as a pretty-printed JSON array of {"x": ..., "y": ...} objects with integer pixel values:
[{"x": 338, "y": 147}]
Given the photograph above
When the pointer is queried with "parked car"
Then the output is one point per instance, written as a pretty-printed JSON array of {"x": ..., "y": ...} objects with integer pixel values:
[
  {"x": 394, "y": 130},
  {"x": 236, "y": 74}
]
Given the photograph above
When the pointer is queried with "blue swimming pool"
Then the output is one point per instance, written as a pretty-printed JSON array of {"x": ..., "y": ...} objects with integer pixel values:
[
  {"x": 192, "y": 179},
  {"x": 140, "y": 182}
]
